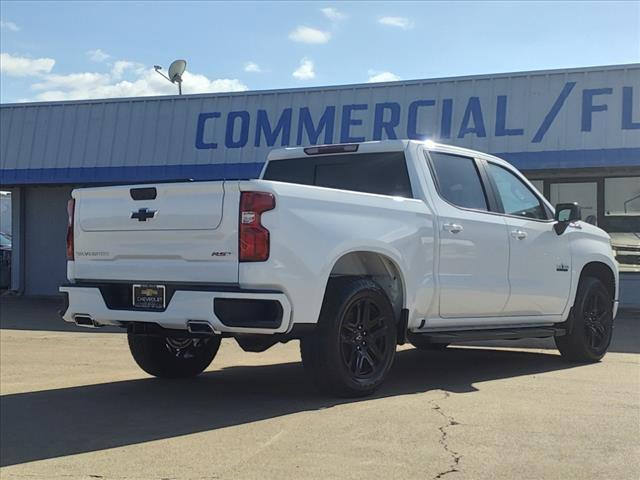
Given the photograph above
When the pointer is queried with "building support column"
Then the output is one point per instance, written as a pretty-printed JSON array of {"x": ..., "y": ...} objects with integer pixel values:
[{"x": 17, "y": 239}]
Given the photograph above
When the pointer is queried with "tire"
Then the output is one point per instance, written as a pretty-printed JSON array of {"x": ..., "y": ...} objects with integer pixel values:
[
  {"x": 591, "y": 323},
  {"x": 167, "y": 357},
  {"x": 422, "y": 343},
  {"x": 353, "y": 347}
]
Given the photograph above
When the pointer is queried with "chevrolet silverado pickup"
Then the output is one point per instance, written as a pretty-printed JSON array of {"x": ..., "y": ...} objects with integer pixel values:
[{"x": 351, "y": 249}]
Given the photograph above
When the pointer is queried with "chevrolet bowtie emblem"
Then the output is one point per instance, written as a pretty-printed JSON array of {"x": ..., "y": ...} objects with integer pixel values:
[{"x": 143, "y": 214}]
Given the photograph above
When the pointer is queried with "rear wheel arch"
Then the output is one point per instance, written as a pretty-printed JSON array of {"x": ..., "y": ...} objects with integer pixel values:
[{"x": 377, "y": 266}]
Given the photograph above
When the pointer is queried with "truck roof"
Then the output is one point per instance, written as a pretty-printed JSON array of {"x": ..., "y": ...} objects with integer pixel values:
[{"x": 372, "y": 147}]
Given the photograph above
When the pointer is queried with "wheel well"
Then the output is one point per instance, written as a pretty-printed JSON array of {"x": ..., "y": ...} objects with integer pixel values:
[
  {"x": 603, "y": 273},
  {"x": 379, "y": 268}
]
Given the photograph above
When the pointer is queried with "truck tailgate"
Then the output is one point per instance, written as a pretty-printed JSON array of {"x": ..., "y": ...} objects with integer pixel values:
[{"x": 180, "y": 232}]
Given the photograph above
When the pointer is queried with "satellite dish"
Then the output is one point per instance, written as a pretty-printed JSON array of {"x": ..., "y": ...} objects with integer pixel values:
[{"x": 176, "y": 69}]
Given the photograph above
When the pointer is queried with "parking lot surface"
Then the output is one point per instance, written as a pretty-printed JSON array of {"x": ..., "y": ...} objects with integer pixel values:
[{"x": 74, "y": 405}]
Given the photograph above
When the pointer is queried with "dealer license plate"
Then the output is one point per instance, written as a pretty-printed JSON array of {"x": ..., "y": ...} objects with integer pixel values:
[{"x": 151, "y": 297}]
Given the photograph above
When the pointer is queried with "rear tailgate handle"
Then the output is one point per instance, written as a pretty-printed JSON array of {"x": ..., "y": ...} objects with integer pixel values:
[{"x": 144, "y": 193}]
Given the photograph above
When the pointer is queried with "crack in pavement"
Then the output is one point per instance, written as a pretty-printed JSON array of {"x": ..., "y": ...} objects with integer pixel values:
[{"x": 444, "y": 438}]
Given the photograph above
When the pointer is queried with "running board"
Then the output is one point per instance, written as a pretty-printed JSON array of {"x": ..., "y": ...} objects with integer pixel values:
[{"x": 493, "y": 334}]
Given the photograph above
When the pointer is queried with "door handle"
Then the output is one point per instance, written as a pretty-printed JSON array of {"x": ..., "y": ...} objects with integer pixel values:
[
  {"x": 519, "y": 234},
  {"x": 452, "y": 227}
]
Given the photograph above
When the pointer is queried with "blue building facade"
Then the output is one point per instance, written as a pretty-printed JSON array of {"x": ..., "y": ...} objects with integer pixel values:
[{"x": 573, "y": 132}]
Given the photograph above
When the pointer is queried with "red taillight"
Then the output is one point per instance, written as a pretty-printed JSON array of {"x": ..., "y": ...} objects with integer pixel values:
[
  {"x": 71, "y": 206},
  {"x": 254, "y": 238}
]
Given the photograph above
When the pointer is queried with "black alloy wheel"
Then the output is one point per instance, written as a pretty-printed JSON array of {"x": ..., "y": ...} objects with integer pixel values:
[
  {"x": 364, "y": 342},
  {"x": 353, "y": 346},
  {"x": 597, "y": 320},
  {"x": 173, "y": 357},
  {"x": 591, "y": 323},
  {"x": 185, "y": 348}
]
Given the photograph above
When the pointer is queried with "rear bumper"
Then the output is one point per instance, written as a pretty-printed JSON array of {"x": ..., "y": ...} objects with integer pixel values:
[{"x": 226, "y": 311}]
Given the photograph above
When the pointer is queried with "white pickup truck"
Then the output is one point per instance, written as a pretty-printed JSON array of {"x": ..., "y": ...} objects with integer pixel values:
[{"x": 352, "y": 249}]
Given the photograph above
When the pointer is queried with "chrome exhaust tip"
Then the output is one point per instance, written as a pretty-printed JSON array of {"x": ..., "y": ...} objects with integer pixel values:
[
  {"x": 199, "y": 327},
  {"x": 85, "y": 321}
]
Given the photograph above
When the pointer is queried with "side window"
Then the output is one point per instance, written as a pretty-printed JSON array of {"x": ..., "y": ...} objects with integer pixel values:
[
  {"x": 458, "y": 180},
  {"x": 517, "y": 199}
]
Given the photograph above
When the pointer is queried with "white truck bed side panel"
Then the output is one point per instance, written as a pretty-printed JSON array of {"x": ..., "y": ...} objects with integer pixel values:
[{"x": 312, "y": 227}]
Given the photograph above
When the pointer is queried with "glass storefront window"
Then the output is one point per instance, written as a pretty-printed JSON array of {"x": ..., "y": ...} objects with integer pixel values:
[
  {"x": 622, "y": 196},
  {"x": 585, "y": 193},
  {"x": 622, "y": 204},
  {"x": 5, "y": 213},
  {"x": 539, "y": 184},
  {"x": 622, "y": 220}
]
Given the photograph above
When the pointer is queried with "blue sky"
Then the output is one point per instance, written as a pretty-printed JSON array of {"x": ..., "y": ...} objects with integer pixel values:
[{"x": 72, "y": 50}]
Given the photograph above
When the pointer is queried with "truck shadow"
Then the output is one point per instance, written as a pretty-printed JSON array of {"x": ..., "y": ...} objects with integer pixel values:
[
  {"x": 55, "y": 423},
  {"x": 40, "y": 314}
]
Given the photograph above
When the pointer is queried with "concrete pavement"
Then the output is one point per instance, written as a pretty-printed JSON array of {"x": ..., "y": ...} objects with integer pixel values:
[{"x": 74, "y": 405}]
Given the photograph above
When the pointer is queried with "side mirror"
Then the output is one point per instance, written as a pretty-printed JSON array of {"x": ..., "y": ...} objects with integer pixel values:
[
  {"x": 591, "y": 219},
  {"x": 565, "y": 214}
]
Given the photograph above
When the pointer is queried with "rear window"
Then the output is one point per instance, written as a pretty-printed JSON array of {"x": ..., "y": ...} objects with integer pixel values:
[{"x": 382, "y": 173}]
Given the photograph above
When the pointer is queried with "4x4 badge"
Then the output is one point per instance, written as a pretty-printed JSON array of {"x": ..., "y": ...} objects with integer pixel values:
[{"x": 562, "y": 268}]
